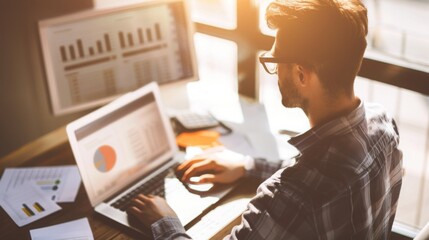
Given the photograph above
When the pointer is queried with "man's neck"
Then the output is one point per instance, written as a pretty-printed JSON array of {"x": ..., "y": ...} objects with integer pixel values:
[{"x": 325, "y": 110}]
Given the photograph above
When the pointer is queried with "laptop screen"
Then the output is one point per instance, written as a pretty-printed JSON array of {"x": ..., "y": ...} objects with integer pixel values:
[{"x": 121, "y": 142}]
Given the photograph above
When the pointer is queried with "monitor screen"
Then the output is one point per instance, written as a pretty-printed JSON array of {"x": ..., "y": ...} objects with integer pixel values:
[{"x": 92, "y": 57}]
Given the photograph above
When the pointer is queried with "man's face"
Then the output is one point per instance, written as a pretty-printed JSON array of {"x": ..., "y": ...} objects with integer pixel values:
[
  {"x": 288, "y": 89},
  {"x": 290, "y": 94}
]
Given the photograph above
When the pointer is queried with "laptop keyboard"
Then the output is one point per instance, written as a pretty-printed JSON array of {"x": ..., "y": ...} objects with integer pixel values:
[{"x": 155, "y": 186}]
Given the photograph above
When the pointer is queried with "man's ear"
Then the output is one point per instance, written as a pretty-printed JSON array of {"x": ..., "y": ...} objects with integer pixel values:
[{"x": 302, "y": 74}]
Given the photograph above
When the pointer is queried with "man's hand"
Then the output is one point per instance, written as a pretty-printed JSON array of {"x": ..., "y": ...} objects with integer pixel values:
[
  {"x": 149, "y": 209},
  {"x": 224, "y": 167}
]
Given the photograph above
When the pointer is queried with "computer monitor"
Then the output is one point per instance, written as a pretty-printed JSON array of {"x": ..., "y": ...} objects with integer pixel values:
[{"x": 94, "y": 56}]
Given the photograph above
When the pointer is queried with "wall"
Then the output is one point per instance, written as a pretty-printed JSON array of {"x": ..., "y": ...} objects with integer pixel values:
[{"x": 24, "y": 103}]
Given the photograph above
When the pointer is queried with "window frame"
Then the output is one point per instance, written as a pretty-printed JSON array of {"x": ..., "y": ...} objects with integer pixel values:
[{"x": 250, "y": 40}]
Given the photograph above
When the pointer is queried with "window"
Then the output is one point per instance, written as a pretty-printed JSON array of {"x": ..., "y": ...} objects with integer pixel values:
[
  {"x": 218, "y": 13},
  {"x": 399, "y": 29},
  {"x": 217, "y": 68},
  {"x": 262, "y": 22}
]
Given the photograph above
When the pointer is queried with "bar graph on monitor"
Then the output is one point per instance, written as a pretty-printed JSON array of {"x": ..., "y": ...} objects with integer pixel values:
[
  {"x": 91, "y": 57},
  {"x": 78, "y": 50}
]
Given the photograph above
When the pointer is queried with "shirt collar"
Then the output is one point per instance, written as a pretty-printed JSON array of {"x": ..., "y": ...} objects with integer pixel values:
[{"x": 336, "y": 126}]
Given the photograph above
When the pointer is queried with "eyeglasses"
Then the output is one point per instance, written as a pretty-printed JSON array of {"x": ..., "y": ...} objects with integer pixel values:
[{"x": 270, "y": 63}]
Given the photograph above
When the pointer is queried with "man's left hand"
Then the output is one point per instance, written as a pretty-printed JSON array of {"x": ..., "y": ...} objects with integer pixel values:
[{"x": 149, "y": 209}]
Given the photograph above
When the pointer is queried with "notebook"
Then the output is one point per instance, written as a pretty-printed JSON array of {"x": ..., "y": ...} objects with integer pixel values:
[{"x": 128, "y": 147}]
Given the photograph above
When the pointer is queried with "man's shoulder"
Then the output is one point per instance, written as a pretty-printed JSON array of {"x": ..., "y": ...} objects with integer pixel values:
[
  {"x": 337, "y": 167},
  {"x": 380, "y": 124},
  {"x": 351, "y": 154},
  {"x": 310, "y": 186},
  {"x": 329, "y": 176}
]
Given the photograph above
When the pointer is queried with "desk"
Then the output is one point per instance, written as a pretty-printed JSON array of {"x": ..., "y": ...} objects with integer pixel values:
[{"x": 54, "y": 149}]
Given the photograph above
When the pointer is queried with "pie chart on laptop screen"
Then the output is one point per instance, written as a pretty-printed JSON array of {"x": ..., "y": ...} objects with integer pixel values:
[{"x": 104, "y": 158}]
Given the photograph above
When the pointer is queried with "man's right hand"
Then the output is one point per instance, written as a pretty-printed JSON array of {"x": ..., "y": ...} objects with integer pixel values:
[{"x": 224, "y": 167}]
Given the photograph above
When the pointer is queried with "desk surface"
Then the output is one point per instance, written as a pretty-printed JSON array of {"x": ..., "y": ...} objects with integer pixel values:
[{"x": 53, "y": 149}]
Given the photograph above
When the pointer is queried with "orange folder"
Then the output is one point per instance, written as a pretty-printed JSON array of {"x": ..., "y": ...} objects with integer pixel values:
[{"x": 203, "y": 139}]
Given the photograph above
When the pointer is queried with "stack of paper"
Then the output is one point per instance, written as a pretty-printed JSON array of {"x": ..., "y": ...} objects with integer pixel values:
[
  {"x": 28, "y": 194},
  {"x": 73, "y": 230}
]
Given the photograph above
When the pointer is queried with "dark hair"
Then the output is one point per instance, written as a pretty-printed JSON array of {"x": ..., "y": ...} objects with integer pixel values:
[{"x": 326, "y": 35}]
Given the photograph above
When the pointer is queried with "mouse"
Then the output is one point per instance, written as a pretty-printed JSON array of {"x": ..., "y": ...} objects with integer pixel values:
[{"x": 199, "y": 187}]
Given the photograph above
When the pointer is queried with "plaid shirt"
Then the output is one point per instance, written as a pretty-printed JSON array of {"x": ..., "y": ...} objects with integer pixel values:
[{"x": 344, "y": 185}]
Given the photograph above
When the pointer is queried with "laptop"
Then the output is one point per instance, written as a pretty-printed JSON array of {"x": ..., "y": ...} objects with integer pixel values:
[{"x": 128, "y": 147}]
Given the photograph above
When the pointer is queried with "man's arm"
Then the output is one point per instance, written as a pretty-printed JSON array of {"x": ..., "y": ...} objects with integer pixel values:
[
  {"x": 261, "y": 168},
  {"x": 223, "y": 168},
  {"x": 169, "y": 228},
  {"x": 271, "y": 214},
  {"x": 226, "y": 167},
  {"x": 274, "y": 214},
  {"x": 154, "y": 211}
]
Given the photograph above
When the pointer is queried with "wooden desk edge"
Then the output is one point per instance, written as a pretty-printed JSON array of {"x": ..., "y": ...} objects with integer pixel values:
[
  {"x": 35, "y": 148},
  {"x": 227, "y": 229}
]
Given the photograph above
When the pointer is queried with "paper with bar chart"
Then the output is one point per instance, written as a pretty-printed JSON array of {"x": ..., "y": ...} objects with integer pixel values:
[
  {"x": 126, "y": 145},
  {"x": 59, "y": 183},
  {"x": 27, "y": 204},
  {"x": 91, "y": 58}
]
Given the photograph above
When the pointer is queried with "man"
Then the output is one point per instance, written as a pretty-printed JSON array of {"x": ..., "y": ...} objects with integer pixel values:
[{"x": 345, "y": 184}]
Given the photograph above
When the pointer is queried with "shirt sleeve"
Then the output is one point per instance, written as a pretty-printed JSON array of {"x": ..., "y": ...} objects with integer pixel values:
[
  {"x": 274, "y": 215},
  {"x": 261, "y": 168},
  {"x": 169, "y": 228}
]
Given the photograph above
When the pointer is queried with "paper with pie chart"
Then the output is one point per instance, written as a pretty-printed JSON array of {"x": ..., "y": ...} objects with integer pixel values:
[{"x": 104, "y": 158}]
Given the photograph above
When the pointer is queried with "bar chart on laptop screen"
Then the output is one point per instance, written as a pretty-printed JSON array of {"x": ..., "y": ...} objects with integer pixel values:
[{"x": 105, "y": 55}]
